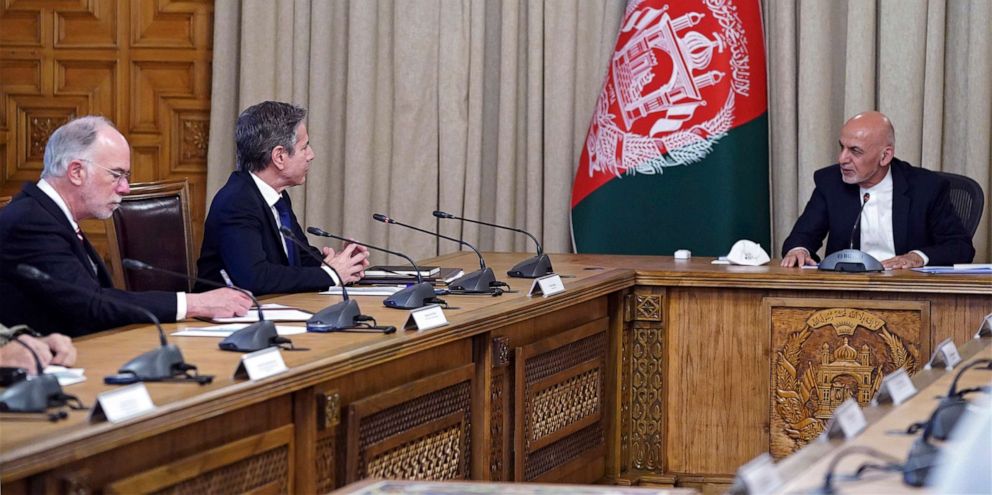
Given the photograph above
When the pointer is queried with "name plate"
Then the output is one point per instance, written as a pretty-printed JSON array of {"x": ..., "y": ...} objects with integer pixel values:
[
  {"x": 547, "y": 285},
  {"x": 848, "y": 420},
  {"x": 122, "y": 404},
  {"x": 896, "y": 388},
  {"x": 946, "y": 356},
  {"x": 760, "y": 476},
  {"x": 260, "y": 364},
  {"x": 425, "y": 318}
]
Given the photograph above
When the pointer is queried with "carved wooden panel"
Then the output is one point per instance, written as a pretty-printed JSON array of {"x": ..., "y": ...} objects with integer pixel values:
[
  {"x": 418, "y": 431},
  {"x": 500, "y": 423},
  {"x": 144, "y": 64},
  {"x": 827, "y": 350},
  {"x": 560, "y": 401},
  {"x": 642, "y": 410}
]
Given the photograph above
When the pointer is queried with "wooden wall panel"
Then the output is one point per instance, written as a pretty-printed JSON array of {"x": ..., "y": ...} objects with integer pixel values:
[{"x": 144, "y": 64}]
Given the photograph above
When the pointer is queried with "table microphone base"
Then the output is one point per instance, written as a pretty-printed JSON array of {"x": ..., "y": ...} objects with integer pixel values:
[{"x": 537, "y": 266}]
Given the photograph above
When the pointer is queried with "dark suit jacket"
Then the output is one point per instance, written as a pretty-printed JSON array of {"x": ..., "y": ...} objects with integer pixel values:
[
  {"x": 34, "y": 231},
  {"x": 922, "y": 216},
  {"x": 240, "y": 236}
]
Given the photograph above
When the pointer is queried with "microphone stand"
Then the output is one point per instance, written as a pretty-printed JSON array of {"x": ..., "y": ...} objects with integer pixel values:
[
  {"x": 481, "y": 281},
  {"x": 338, "y": 316},
  {"x": 410, "y": 297},
  {"x": 251, "y": 338},
  {"x": 533, "y": 267},
  {"x": 161, "y": 364}
]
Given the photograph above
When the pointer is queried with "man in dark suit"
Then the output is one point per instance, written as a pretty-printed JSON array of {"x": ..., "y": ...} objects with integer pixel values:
[
  {"x": 87, "y": 167},
  {"x": 908, "y": 220},
  {"x": 242, "y": 240}
]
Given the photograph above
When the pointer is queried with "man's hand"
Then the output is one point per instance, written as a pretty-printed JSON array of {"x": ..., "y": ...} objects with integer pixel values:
[
  {"x": 798, "y": 257},
  {"x": 64, "y": 353},
  {"x": 17, "y": 356},
  {"x": 218, "y": 303},
  {"x": 908, "y": 260},
  {"x": 350, "y": 263}
]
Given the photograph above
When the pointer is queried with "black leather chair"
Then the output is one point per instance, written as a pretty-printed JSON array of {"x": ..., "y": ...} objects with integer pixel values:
[
  {"x": 967, "y": 199},
  {"x": 153, "y": 225}
]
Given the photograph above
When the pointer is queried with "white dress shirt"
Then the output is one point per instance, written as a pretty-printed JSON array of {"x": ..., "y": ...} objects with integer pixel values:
[
  {"x": 877, "y": 238},
  {"x": 57, "y": 198},
  {"x": 271, "y": 197}
]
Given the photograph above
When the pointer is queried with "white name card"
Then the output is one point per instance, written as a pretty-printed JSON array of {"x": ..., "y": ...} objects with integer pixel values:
[
  {"x": 896, "y": 387},
  {"x": 260, "y": 364},
  {"x": 547, "y": 285},
  {"x": 425, "y": 318},
  {"x": 946, "y": 356},
  {"x": 848, "y": 419},
  {"x": 122, "y": 404},
  {"x": 760, "y": 475}
]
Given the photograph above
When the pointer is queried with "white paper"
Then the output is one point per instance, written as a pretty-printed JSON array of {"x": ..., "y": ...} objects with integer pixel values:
[
  {"x": 274, "y": 314},
  {"x": 375, "y": 290},
  {"x": 426, "y": 318},
  {"x": 223, "y": 331},
  {"x": 547, "y": 285},
  {"x": 66, "y": 376}
]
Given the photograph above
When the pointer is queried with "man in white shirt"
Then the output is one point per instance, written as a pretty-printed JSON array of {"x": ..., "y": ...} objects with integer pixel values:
[
  {"x": 907, "y": 220},
  {"x": 87, "y": 167},
  {"x": 242, "y": 238}
]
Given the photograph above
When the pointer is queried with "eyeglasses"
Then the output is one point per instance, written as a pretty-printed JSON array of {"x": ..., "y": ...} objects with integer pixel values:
[{"x": 118, "y": 175}]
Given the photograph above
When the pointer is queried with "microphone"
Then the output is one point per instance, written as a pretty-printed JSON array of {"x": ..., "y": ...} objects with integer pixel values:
[
  {"x": 479, "y": 281},
  {"x": 852, "y": 260},
  {"x": 337, "y": 316},
  {"x": 36, "y": 394},
  {"x": 857, "y": 222},
  {"x": 537, "y": 266},
  {"x": 163, "y": 363},
  {"x": 254, "y": 337},
  {"x": 411, "y": 297}
]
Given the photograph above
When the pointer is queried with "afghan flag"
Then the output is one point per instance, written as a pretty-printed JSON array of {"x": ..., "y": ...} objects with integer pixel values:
[{"x": 677, "y": 151}]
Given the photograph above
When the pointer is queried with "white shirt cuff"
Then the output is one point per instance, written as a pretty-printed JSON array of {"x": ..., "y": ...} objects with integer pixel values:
[
  {"x": 926, "y": 260},
  {"x": 180, "y": 306},
  {"x": 333, "y": 275}
]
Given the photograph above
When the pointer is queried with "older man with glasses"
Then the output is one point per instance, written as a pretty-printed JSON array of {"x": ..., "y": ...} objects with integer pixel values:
[{"x": 86, "y": 173}]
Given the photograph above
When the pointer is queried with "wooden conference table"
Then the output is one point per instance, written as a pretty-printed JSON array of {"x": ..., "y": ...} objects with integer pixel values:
[{"x": 646, "y": 370}]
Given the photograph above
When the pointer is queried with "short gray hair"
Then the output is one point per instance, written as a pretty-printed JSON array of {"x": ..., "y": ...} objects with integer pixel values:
[
  {"x": 263, "y": 127},
  {"x": 71, "y": 141}
]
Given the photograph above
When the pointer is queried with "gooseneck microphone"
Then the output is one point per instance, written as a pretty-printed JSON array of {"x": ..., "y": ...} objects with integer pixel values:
[
  {"x": 254, "y": 337},
  {"x": 537, "y": 266},
  {"x": 163, "y": 363},
  {"x": 411, "y": 297},
  {"x": 481, "y": 281},
  {"x": 850, "y": 259},
  {"x": 857, "y": 223},
  {"x": 337, "y": 316}
]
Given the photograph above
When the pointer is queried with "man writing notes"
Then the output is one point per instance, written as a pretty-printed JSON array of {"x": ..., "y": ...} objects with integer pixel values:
[
  {"x": 907, "y": 221},
  {"x": 86, "y": 172},
  {"x": 242, "y": 243}
]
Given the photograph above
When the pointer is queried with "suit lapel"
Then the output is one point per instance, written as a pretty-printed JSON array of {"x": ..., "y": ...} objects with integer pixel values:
[
  {"x": 900, "y": 208},
  {"x": 82, "y": 249}
]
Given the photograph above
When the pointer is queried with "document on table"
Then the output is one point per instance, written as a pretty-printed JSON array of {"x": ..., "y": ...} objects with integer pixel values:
[
  {"x": 226, "y": 330},
  {"x": 272, "y": 312},
  {"x": 66, "y": 376},
  {"x": 971, "y": 270},
  {"x": 370, "y": 290}
]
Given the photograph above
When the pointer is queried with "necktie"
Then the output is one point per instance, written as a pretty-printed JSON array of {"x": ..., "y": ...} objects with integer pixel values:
[
  {"x": 89, "y": 249},
  {"x": 286, "y": 220}
]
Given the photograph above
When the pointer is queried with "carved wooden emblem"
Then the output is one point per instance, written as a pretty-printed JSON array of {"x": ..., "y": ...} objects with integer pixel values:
[{"x": 823, "y": 356}]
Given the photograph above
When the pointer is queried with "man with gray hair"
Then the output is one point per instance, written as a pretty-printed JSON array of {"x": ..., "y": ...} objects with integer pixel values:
[{"x": 86, "y": 173}]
